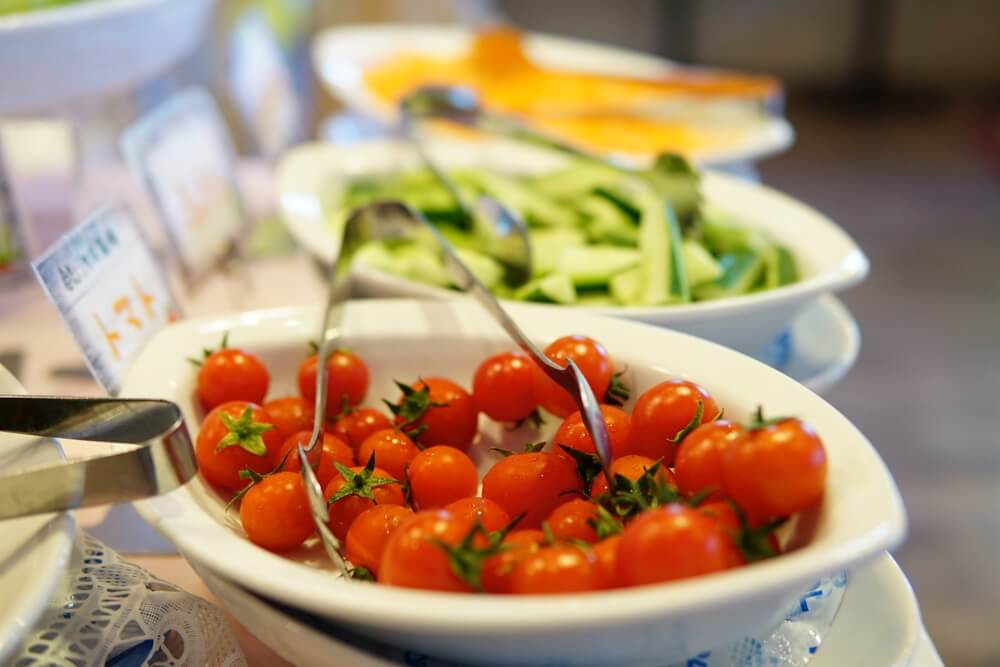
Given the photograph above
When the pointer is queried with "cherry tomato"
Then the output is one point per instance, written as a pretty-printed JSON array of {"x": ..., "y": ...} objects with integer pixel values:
[
  {"x": 358, "y": 424},
  {"x": 502, "y": 387},
  {"x": 453, "y": 422},
  {"x": 333, "y": 450},
  {"x": 698, "y": 465},
  {"x": 532, "y": 484},
  {"x": 722, "y": 511},
  {"x": 275, "y": 512},
  {"x": 498, "y": 568},
  {"x": 413, "y": 556},
  {"x": 570, "y": 521},
  {"x": 779, "y": 470},
  {"x": 370, "y": 531},
  {"x": 290, "y": 414},
  {"x": 346, "y": 380},
  {"x": 671, "y": 542},
  {"x": 440, "y": 475},
  {"x": 344, "y": 511},
  {"x": 607, "y": 555},
  {"x": 491, "y": 515},
  {"x": 573, "y": 433},
  {"x": 662, "y": 412},
  {"x": 393, "y": 451},
  {"x": 633, "y": 467},
  {"x": 254, "y": 442},
  {"x": 593, "y": 361},
  {"x": 231, "y": 374},
  {"x": 558, "y": 569}
]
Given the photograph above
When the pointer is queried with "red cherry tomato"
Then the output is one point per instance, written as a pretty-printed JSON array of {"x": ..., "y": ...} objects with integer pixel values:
[
  {"x": 290, "y": 414},
  {"x": 607, "y": 555},
  {"x": 275, "y": 512},
  {"x": 393, "y": 451},
  {"x": 498, "y": 568},
  {"x": 558, "y": 569},
  {"x": 491, "y": 515},
  {"x": 662, "y": 412},
  {"x": 333, "y": 450},
  {"x": 413, "y": 556},
  {"x": 222, "y": 467},
  {"x": 453, "y": 422},
  {"x": 573, "y": 433},
  {"x": 593, "y": 361},
  {"x": 572, "y": 521},
  {"x": 779, "y": 470},
  {"x": 633, "y": 467},
  {"x": 347, "y": 380},
  {"x": 532, "y": 484},
  {"x": 672, "y": 542},
  {"x": 502, "y": 387},
  {"x": 370, "y": 531},
  {"x": 440, "y": 475},
  {"x": 344, "y": 511},
  {"x": 698, "y": 465},
  {"x": 358, "y": 424},
  {"x": 231, "y": 374}
]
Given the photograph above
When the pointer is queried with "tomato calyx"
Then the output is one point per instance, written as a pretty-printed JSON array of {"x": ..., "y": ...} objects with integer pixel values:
[
  {"x": 588, "y": 466},
  {"x": 359, "y": 484},
  {"x": 627, "y": 498},
  {"x": 757, "y": 420},
  {"x": 466, "y": 558},
  {"x": 535, "y": 419},
  {"x": 618, "y": 392},
  {"x": 206, "y": 352},
  {"x": 699, "y": 412},
  {"x": 754, "y": 543},
  {"x": 414, "y": 405},
  {"x": 604, "y": 524},
  {"x": 255, "y": 478},
  {"x": 244, "y": 432},
  {"x": 361, "y": 574},
  {"x": 529, "y": 448}
]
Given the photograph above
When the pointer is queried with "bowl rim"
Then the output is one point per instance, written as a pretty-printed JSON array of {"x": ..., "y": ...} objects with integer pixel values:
[
  {"x": 305, "y": 221},
  {"x": 180, "y": 518}
]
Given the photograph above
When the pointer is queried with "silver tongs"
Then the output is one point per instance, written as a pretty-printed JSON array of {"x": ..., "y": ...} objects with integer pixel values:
[
  {"x": 162, "y": 461},
  {"x": 394, "y": 220}
]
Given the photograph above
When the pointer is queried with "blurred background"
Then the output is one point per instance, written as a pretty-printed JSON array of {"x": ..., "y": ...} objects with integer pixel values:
[{"x": 896, "y": 108}]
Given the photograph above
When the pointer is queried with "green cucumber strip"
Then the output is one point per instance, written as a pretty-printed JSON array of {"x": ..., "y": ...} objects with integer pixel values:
[
  {"x": 595, "y": 265},
  {"x": 699, "y": 265},
  {"x": 625, "y": 287},
  {"x": 557, "y": 288},
  {"x": 489, "y": 271},
  {"x": 781, "y": 269},
  {"x": 741, "y": 272}
]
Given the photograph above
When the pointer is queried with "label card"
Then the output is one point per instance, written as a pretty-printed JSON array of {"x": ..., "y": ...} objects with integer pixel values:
[
  {"x": 261, "y": 85},
  {"x": 182, "y": 153},
  {"x": 109, "y": 289}
]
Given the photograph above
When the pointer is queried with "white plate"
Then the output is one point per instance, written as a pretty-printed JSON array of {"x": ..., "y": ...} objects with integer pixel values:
[
  {"x": 53, "y": 56},
  {"x": 878, "y": 624},
  {"x": 862, "y": 516},
  {"x": 310, "y": 177},
  {"x": 819, "y": 347},
  {"x": 34, "y": 550},
  {"x": 342, "y": 54}
]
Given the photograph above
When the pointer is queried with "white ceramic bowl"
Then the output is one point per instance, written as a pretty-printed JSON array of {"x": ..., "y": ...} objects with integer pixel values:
[
  {"x": 310, "y": 178},
  {"x": 861, "y": 517},
  {"x": 342, "y": 54}
]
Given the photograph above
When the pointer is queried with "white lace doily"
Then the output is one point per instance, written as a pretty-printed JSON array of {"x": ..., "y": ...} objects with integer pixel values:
[{"x": 112, "y": 613}]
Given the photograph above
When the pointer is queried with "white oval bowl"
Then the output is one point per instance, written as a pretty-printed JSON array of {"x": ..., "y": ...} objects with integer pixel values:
[
  {"x": 311, "y": 176},
  {"x": 861, "y": 517}
]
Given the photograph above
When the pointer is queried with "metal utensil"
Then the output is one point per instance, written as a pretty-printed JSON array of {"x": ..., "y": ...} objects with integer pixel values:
[
  {"x": 503, "y": 235},
  {"x": 393, "y": 220},
  {"x": 163, "y": 460}
]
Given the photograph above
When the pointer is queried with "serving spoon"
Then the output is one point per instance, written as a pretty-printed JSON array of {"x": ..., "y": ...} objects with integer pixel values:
[{"x": 394, "y": 220}]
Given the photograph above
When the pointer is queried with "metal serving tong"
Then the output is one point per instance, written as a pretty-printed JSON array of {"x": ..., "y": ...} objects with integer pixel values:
[
  {"x": 394, "y": 220},
  {"x": 163, "y": 460}
]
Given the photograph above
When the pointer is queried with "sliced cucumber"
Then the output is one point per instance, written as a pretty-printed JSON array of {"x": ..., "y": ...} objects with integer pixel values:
[
  {"x": 625, "y": 287},
  {"x": 548, "y": 244},
  {"x": 699, "y": 265},
  {"x": 721, "y": 236},
  {"x": 488, "y": 270},
  {"x": 580, "y": 178},
  {"x": 420, "y": 263},
  {"x": 780, "y": 267},
  {"x": 606, "y": 223},
  {"x": 663, "y": 277},
  {"x": 557, "y": 288},
  {"x": 741, "y": 272},
  {"x": 594, "y": 265},
  {"x": 674, "y": 178},
  {"x": 596, "y": 300},
  {"x": 535, "y": 207}
]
